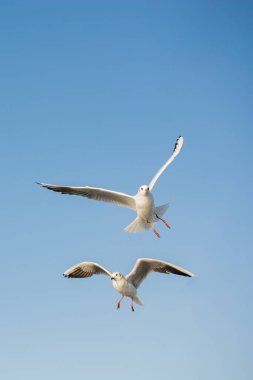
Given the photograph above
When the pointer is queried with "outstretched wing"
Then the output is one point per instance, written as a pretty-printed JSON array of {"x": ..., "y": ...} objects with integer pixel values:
[
  {"x": 86, "y": 269},
  {"x": 177, "y": 148},
  {"x": 95, "y": 193},
  {"x": 145, "y": 266}
]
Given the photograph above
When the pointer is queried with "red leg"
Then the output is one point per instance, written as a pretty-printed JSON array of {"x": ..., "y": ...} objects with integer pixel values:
[
  {"x": 132, "y": 305},
  {"x": 164, "y": 221},
  {"x": 118, "y": 303},
  {"x": 155, "y": 232}
]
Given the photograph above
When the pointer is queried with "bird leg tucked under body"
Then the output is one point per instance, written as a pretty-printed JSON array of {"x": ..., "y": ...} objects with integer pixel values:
[
  {"x": 155, "y": 232},
  {"x": 118, "y": 304},
  {"x": 164, "y": 221}
]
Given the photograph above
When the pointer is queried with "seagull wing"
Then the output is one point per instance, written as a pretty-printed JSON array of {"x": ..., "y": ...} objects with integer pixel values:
[
  {"x": 86, "y": 269},
  {"x": 145, "y": 266},
  {"x": 95, "y": 193},
  {"x": 177, "y": 148}
]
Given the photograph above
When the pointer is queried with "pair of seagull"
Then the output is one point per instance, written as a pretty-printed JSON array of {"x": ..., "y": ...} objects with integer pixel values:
[{"x": 147, "y": 214}]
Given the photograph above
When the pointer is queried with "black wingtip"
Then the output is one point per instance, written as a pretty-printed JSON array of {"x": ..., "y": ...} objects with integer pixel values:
[{"x": 189, "y": 275}]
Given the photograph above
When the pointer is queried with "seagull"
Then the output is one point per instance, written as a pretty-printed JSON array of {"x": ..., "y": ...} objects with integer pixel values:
[
  {"x": 142, "y": 203},
  {"x": 127, "y": 285}
]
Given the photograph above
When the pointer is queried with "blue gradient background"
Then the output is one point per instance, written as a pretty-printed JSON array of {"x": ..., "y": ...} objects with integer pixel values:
[{"x": 96, "y": 93}]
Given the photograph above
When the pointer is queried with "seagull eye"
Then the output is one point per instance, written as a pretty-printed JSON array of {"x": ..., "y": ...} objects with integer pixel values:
[{"x": 141, "y": 188}]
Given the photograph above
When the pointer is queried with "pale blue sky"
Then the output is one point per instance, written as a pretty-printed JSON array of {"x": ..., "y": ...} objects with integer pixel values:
[{"x": 96, "y": 93}]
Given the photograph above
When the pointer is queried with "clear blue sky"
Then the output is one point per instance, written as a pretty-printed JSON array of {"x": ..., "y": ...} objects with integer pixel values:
[{"x": 96, "y": 93}]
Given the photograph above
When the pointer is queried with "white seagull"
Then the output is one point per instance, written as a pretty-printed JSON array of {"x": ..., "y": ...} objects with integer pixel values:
[
  {"x": 127, "y": 285},
  {"x": 142, "y": 202}
]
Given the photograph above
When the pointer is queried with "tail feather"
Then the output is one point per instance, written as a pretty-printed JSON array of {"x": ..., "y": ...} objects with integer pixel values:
[
  {"x": 138, "y": 225},
  {"x": 160, "y": 210},
  {"x": 138, "y": 301}
]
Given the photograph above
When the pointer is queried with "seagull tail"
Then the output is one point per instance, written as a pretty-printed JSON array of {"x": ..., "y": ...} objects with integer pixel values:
[
  {"x": 160, "y": 210},
  {"x": 138, "y": 301},
  {"x": 138, "y": 225}
]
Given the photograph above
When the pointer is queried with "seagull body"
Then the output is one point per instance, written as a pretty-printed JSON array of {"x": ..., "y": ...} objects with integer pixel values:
[
  {"x": 142, "y": 203},
  {"x": 125, "y": 288},
  {"x": 127, "y": 285}
]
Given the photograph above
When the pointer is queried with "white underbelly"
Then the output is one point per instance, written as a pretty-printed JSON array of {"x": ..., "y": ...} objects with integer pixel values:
[
  {"x": 145, "y": 208},
  {"x": 129, "y": 290},
  {"x": 125, "y": 288}
]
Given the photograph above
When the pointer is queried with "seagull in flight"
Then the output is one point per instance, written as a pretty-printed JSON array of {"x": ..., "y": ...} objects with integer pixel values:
[
  {"x": 142, "y": 203},
  {"x": 127, "y": 285}
]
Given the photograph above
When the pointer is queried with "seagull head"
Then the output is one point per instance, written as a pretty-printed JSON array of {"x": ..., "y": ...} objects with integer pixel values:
[
  {"x": 144, "y": 189},
  {"x": 116, "y": 276}
]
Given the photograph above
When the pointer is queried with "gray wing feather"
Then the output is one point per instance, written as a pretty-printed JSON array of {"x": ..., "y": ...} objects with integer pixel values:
[
  {"x": 85, "y": 269},
  {"x": 95, "y": 193},
  {"x": 143, "y": 267}
]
